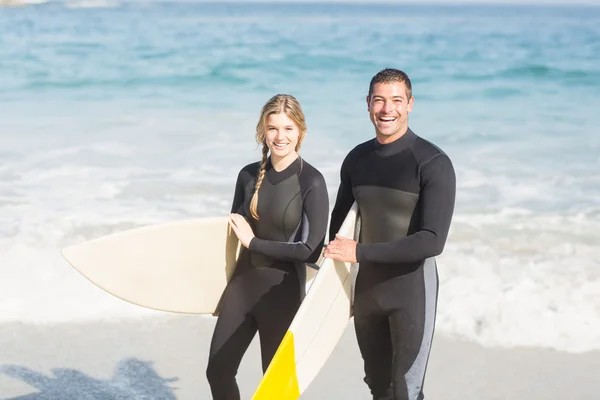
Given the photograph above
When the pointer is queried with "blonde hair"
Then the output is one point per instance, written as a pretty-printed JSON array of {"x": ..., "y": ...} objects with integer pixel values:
[{"x": 280, "y": 103}]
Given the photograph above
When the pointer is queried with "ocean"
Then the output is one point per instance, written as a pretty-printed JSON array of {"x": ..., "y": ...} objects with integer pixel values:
[{"x": 117, "y": 114}]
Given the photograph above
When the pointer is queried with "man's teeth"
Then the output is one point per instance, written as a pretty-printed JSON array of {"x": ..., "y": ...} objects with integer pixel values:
[{"x": 387, "y": 119}]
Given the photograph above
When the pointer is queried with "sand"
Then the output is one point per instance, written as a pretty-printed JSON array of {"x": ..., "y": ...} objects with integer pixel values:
[{"x": 165, "y": 358}]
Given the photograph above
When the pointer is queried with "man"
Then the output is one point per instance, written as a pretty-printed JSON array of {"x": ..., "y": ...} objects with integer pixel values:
[{"x": 405, "y": 189}]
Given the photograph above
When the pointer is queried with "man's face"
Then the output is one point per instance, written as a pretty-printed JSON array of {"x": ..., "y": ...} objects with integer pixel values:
[{"x": 389, "y": 106}]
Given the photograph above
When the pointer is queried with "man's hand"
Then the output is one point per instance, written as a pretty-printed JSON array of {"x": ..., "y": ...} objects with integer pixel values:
[
  {"x": 342, "y": 249},
  {"x": 242, "y": 229}
]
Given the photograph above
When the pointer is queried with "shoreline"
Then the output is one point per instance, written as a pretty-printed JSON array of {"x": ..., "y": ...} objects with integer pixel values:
[{"x": 165, "y": 358}]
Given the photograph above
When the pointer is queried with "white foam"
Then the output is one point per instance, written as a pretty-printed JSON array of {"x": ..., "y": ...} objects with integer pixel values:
[
  {"x": 515, "y": 271},
  {"x": 92, "y": 4},
  {"x": 56, "y": 194},
  {"x": 54, "y": 207},
  {"x": 510, "y": 278},
  {"x": 513, "y": 281}
]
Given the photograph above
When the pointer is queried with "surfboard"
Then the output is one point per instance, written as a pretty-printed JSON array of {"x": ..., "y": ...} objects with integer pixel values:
[
  {"x": 316, "y": 328},
  {"x": 180, "y": 266}
]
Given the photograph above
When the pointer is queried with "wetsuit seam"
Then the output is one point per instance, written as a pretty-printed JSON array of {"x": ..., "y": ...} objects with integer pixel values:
[
  {"x": 387, "y": 187},
  {"x": 285, "y": 212}
]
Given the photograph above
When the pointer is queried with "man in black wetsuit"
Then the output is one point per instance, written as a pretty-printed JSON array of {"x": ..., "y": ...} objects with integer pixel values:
[{"x": 405, "y": 189}]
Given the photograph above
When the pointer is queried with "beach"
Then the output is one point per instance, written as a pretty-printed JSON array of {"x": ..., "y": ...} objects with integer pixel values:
[
  {"x": 165, "y": 358},
  {"x": 121, "y": 114}
]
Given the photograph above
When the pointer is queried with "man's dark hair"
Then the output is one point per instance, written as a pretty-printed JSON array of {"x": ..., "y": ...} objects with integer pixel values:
[{"x": 391, "y": 75}]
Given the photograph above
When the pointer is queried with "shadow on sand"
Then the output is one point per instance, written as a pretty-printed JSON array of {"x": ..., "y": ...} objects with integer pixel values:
[{"x": 132, "y": 380}]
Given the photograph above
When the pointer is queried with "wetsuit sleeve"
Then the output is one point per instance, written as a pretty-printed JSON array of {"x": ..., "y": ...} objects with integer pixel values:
[
  {"x": 344, "y": 200},
  {"x": 314, "y": 228},
  {"x": 237, "y": 206},
  {"x": 437, "y": 196}
]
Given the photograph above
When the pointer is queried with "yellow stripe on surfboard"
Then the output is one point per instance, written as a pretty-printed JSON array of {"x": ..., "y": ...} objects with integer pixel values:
[{"x": 280, "y": 381}]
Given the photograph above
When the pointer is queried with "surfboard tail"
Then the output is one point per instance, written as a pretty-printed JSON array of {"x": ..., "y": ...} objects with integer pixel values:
[
  {"x": 181, "y": 266},
  {"x": 280, "y": 380}
]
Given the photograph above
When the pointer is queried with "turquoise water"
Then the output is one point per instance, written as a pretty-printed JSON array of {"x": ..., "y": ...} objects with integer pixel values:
[{"x": 119, "y": 114}]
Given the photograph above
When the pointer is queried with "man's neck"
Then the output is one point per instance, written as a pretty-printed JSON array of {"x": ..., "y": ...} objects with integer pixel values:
[{"x": 384, "y": 139}]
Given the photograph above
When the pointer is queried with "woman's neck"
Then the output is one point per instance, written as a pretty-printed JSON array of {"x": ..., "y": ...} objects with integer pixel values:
[{"x": 281, "y": 163}]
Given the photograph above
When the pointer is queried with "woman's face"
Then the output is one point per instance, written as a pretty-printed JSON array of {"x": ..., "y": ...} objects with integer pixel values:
[{"x": 281, "y": 136}]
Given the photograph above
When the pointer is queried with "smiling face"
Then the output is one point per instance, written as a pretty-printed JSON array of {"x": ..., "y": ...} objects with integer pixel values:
[
  {"x": 389, "y": 105},
  {"x": 281, "y": 136}
]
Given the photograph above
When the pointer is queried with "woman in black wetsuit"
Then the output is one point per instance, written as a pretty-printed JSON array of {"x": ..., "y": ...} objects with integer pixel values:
[{"x": 279, "y": 213}]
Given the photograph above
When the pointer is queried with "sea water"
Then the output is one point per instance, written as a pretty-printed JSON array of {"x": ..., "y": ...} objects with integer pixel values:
[{"x": 116, "y": 114}]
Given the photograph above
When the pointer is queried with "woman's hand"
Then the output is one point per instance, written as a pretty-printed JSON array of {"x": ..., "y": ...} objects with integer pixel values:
[{"x": 242, "y": 229}]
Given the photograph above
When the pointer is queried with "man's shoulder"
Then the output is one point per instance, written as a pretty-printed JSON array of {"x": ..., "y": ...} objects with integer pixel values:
[
  {"x": 360, "y": 149},
  {"x": 425, "y": 150}
]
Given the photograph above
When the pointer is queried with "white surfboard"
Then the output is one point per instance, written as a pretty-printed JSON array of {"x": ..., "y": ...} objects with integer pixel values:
[
  {"x": 180, "y": 266},
  {"x": 316, "y": 328}
]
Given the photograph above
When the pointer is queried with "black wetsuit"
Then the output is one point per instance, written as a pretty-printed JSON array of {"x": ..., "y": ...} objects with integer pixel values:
[
  {"x": 405, "y": 191},
  {"x": 268, "y": 283}
]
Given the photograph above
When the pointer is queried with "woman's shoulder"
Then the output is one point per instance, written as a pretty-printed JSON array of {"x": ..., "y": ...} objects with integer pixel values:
[
  {"x": 310, "y": 175},
  {"x": 250, "y": 170}
]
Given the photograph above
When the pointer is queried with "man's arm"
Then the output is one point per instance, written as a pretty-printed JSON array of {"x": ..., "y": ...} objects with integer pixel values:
[{"x": 344, "y": 200}]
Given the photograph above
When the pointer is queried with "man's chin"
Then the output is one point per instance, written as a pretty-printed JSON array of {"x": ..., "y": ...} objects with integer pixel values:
[{"x": 388, "y": 134}]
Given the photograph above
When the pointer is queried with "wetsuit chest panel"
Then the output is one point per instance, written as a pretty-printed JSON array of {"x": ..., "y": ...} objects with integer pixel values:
[
  {"x": 398, "y": 171},
  {"x": 280, "y": 210},
  {"x": 386, "y": 189},
  {"x": 386, "y": 213}
]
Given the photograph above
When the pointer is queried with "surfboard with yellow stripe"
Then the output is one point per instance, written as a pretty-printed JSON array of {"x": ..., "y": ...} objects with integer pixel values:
[{"x": 316, "y": 328}]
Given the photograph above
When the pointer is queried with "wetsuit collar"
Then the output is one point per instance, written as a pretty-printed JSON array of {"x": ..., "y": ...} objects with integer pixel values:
[
  {"x": 400, "y": 144},
  {"x": 276, "y": 177}
]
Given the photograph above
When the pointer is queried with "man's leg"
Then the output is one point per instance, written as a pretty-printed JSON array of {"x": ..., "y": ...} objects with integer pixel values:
[
  {"x": 412, "y": 328},
  {"x": 374, "y": 341}
]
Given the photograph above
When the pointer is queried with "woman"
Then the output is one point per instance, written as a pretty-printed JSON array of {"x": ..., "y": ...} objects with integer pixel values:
[{"x": 279, "y": 214}]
